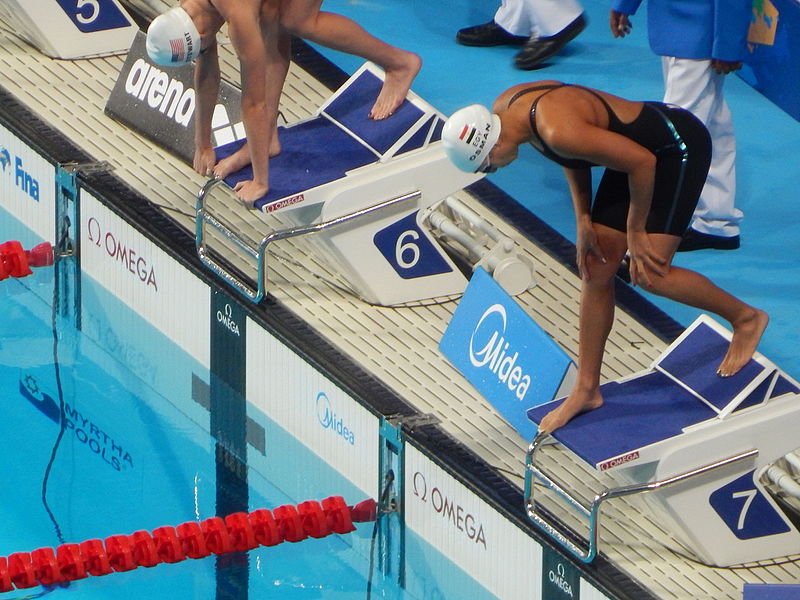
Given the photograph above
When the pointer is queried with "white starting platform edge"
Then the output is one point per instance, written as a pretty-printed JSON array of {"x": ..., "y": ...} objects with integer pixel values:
[
  {"x": 72, "y": 30},
  {"x": 700, "y": 443},
  {"x": 367, "y": 188}
]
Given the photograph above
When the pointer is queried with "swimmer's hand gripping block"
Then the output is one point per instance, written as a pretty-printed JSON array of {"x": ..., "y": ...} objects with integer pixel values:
[{"x": 699, "y": 442}]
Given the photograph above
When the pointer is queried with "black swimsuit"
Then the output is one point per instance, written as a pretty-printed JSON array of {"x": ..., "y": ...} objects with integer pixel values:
[{"x": 682, "y": 147}]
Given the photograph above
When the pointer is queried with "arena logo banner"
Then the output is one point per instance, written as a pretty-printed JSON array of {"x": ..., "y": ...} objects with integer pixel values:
[
  {"x": 160, "y": 102},
  {"x": 504, "y": 353},
  {"x": 69, "y": 29}
]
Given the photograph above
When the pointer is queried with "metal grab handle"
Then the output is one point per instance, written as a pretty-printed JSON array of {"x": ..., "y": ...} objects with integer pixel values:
[
  {"x": 259, "y": 253},
  {"x": 203, "y": 217},
  {"x": 592, "y": 512}
]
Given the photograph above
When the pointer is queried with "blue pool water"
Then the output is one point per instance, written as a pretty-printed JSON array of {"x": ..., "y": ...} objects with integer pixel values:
[
  {"x": 133, "y": 452},
  {"x": 126, "y": 457}
]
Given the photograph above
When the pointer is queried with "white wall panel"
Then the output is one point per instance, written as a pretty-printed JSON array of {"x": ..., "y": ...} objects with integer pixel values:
[
  {"x": 145, "y": 278},
  {"x": 589, "y": 592},
  {"x": 460, "y": 525},
  {"x": 27, "y": 186},
  {"x": 314, "y": 410}
]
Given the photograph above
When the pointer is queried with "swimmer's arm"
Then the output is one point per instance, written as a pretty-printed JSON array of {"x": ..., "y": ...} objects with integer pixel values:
[
  {"x": 278, "y": 47},
  {"x": 580, "y": 187},
  {"x": 585, "y": 140},
  {"x": 602, "y": 147},
  {"x": 206, "y": 85}
]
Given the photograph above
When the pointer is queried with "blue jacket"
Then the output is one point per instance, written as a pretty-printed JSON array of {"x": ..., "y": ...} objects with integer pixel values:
[{"x": 701, "y": 29}]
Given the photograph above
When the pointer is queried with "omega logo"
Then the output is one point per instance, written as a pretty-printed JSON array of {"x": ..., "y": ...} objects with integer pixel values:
[
  {"x": 451, "y": 512},
  {"x": 226, "y": 318},
  {"x": 559, "y": 579},
  {"x": 116, "y": 249}
]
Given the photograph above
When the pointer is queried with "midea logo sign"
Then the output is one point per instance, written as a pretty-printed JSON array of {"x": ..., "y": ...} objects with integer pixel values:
[
  {"x": 496, "y": 354},
  {"x": 330, "y": 421}
]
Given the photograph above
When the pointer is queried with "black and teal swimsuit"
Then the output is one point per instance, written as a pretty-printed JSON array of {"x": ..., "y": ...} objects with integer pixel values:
[{"x": 682, "y": 147}]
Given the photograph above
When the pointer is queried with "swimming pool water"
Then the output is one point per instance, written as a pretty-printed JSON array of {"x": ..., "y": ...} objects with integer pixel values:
[
  {"x": 133, "y": 452},
  {"x": 130, "y": 459}
]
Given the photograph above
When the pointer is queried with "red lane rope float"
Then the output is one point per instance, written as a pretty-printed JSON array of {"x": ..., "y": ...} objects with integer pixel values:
[
  {"x": 15, "y": 261},
  {"x": 237, "y": 532}
]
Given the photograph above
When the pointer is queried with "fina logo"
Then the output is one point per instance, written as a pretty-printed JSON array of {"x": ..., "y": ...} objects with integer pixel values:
[
  {"x": 494, "y": 355},
  {"x": 226, "y": 319},
  {"x": 328, "y": 419},
  {"x": 559, "y": 579},
  {"x": 23, "y": 180}
]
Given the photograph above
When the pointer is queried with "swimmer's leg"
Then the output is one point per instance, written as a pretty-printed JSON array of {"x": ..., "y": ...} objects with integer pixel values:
[
  {"x": 694, "y": 289},
  {"x": 595, "y": 321},
  {"x": 304, "y": 19}
]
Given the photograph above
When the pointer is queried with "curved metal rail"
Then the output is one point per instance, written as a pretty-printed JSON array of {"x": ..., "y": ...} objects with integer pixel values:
[
  {"x": 591, "y": 513},
  {"x": 259, "y": 252}
]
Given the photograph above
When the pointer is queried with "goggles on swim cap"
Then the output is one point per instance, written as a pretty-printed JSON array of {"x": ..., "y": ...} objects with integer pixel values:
[
  {"x": 173, "y": 39},
  {"x": 469, "y": 135}
]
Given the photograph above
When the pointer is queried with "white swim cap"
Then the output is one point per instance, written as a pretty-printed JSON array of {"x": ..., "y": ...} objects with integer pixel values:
[
  {"x": 469, "y": 135},
  {"x": 172, "y": 39}
]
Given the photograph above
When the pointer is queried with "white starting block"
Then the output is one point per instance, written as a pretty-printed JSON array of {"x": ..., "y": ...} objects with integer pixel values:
[
  {"x": 700, "y": 443},
  {"x": 366, "y": 188},
  {"x": 74, "y": 29}
]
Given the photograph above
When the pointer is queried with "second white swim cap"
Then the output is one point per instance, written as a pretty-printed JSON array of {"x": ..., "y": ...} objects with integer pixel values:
[
  {"x": 469, "y": 135},
  {"x": 172, "y": 39}
]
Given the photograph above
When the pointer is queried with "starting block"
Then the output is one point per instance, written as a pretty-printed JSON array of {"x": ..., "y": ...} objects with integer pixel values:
[
  {"x": 366, "y": 189},
  {"x": 700, "y": 444}
]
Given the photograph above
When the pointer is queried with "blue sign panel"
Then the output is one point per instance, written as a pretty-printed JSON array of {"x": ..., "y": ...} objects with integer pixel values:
[
  {"x": 501, "y": 351},
  {"x": 772, "y": 65},
  {"x": 745, "y": 510},
  {"x": 90, "y": 16},
  {"x": 771, "y": 591},
  {"x": 409, "y": 251}
]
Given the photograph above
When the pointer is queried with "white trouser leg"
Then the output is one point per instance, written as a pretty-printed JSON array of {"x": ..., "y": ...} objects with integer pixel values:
[
  {"x": 537, "y": 18},
  {"x": 695, "y": 86}
]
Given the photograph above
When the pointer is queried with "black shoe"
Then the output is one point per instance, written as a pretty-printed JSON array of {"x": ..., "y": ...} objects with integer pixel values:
[
  {"x": 538, "y": 49},
  {"x": 695, "y": 240},
  {"x": 488, "y": 34}
]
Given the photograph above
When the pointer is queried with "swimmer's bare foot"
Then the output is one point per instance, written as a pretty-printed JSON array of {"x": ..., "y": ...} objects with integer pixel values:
[
  {"x": 248, "y": 192},
  {"x": 233, "y": 163},
  {"x": 577, "y": 402},
  {"x": 396, "y": 83},
  {"x": 747, "y": 333},
  {"x": 241, "y": 158},
  {"x": 274, "y": 146}
]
